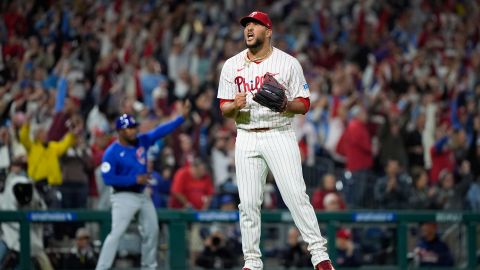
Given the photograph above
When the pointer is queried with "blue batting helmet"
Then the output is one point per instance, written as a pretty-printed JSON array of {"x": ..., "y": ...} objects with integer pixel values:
[{"x": 126, "y": 121}]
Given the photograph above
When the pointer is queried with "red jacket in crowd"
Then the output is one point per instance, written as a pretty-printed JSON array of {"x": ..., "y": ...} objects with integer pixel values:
[
  {"x": 356, "y": 146},
  {"x": 195, "y": 190},
  {"x": 440, "y": 160}
]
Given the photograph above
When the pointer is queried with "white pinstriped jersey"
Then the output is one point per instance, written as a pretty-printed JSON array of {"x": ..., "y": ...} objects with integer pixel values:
[{"x": 239, "y": 75}]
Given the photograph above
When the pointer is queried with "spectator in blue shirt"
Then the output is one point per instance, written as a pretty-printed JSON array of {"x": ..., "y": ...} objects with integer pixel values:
[{"x": 431, "y": 250}]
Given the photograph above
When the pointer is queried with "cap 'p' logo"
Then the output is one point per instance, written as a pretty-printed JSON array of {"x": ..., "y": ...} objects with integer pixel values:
[{"x": 253, "y": 14}]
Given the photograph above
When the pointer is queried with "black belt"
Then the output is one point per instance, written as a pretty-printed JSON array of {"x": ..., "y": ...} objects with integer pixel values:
[
  {"x": 259, "y": 129},
  {"x": 126, "y": 189}
]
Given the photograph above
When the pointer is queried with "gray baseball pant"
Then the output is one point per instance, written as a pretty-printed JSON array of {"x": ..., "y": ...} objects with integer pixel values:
[{"x": 124, "y": 207}]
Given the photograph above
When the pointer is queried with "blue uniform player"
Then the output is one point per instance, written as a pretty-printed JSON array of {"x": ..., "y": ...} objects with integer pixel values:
[{"x": 124, "y": 168}]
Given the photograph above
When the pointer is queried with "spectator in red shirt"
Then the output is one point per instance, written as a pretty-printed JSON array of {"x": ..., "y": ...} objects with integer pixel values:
[
  {"x": 327, "y": 187},
  {"x": 13, "y": 48},
  {"x": 192, "y": 187},
  {"x": 356, "y": 146}
]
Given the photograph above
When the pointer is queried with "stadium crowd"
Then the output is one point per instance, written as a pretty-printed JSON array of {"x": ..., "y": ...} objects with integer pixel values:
[{"x": 395, "y": 94}]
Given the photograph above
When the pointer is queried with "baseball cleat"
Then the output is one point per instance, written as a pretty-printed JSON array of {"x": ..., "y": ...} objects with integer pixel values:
[{"x": 324, "y": 265}]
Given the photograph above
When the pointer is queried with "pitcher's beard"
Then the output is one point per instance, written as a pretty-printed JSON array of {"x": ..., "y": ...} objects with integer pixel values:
[{"x": 255, "y": 46}]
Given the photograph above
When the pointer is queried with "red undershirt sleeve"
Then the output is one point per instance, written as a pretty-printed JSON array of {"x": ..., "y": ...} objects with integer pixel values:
[
  {"x": 224, "y": 100},
  {"x": 305, "y": 101}
]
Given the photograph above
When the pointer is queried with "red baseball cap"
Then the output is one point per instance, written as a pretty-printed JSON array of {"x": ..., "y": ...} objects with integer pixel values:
[
  {"x": 257, "y": 16},
  {"x": 343, "y": 233}
]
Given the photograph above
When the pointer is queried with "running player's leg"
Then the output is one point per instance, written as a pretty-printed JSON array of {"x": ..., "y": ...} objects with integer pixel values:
[
  {"x": 148, "y": 226},
  {"x": 124, "y": 207},
  {"x": 280, "y": 150},
  {"x": 251, "y": 172}
]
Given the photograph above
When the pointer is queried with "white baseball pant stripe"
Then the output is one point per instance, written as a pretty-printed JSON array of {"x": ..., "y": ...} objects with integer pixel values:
[
  {"x": 277, "y": 149},
  {"x": 124, "y": 207}
]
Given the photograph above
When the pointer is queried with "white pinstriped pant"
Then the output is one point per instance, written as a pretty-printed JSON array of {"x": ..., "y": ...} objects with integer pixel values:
[{"x": 277, "y": 149}]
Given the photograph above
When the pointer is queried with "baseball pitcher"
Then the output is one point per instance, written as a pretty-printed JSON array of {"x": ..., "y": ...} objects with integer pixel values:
[{"x": 262, "y": 88}]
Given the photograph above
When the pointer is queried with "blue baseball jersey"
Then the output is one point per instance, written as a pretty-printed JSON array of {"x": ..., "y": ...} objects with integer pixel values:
[{"x": 121, "y": 164}]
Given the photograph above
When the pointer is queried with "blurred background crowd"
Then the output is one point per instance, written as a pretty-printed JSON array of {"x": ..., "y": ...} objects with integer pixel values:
[{"x": 395, "y": 89}]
